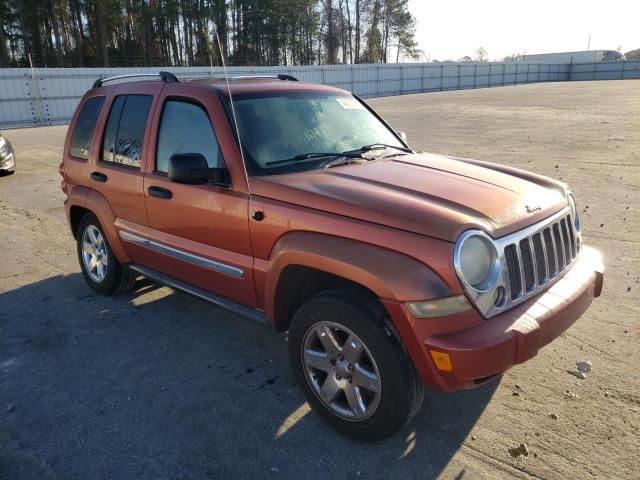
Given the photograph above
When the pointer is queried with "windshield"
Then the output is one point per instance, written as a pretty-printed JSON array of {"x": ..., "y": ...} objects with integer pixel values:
[{"x": 283, "y": 125}]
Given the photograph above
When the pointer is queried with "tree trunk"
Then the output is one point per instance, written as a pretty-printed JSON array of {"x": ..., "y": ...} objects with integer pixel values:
[
  {"x": 343, "y": 32},
  {"x": 4, "y": 57},
  {"x": 358, "y": 37},
  {"x": 27, "y": 43},
  {"x": 56, "y": 33},
  {"x": 102, "y": 36},
  {"x": 330, "y": 42},
  {"x": 350, "y": 32},
  {"x": 77, "y": 29},
  {"x": 174, "y": 42}
]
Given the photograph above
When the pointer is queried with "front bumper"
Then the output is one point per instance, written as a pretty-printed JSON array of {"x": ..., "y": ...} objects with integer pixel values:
[
  {"x": 515, "y": 336},
  {"x": 480, "y": 349}
]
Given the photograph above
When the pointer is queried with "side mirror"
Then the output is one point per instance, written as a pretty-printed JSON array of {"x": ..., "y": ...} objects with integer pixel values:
[
  {"x": 193, "y": 169},
  {"x": 402, "y": 135}
]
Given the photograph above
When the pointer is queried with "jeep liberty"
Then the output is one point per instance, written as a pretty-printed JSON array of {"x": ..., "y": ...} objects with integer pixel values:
[{"x": 295, "y": 205}]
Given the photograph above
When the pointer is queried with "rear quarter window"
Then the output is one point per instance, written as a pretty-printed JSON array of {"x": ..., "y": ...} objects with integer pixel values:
[
  {"x": 84, "y": 127},
  {"x": 124, "y": 134}
]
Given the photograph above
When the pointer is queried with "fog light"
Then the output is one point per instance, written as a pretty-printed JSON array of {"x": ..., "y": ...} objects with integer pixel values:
[{"x": 442, "y": 361}]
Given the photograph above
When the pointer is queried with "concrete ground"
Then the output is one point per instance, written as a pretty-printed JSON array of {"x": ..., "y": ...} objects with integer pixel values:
[{"x": 159, "y": 385}]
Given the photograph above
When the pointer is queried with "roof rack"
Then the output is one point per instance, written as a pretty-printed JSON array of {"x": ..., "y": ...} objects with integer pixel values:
[
  {"x": 280, "y": 76},
  {"x": 166, "y": 77}
]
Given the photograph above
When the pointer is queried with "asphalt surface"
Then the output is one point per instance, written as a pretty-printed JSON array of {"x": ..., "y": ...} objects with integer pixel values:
[{"x": 156, "y": 384}]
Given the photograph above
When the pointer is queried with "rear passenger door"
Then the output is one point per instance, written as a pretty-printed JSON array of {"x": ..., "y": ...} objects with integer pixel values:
[
  {"x": 117, "y": 170},
  {"x": 199, "y": 233}
]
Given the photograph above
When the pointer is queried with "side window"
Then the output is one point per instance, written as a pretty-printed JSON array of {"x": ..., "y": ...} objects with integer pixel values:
[
  {"x": 123, "y": 136},
  {"x": 185, "y": 128},
  {"x": 85, "y": 125}
]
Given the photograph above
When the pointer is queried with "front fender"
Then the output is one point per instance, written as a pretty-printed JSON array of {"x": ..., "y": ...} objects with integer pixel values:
[{"x": 388, "y": 274}]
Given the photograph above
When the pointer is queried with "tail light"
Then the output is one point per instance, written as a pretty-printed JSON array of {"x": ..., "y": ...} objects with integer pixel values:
[{"x": 63, "y": 185}]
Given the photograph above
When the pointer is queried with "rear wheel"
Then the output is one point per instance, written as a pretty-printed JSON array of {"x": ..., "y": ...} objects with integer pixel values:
[
  {"x": 99, "y": 265},
  {"x": 350, "y": 366}
]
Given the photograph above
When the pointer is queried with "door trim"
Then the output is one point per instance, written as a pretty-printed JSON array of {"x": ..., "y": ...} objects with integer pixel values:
[{"x": 188, "y": 257}]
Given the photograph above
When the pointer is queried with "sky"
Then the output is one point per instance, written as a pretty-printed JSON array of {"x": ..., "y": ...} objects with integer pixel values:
[{"x": 451, "y": 29}]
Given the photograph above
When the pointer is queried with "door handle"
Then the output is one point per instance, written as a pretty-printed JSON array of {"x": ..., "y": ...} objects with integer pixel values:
[
  {"x": 160, "y": 192},
  {"x": 98, "y": 177}
]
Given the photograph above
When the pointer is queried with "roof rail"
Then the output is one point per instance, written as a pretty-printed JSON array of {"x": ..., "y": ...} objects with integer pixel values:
[
  {"x": 280, "y": 76},
  {"x": 166, "y": 77}
]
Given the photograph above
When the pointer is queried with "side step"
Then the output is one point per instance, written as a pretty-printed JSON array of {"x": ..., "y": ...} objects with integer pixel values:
[{"x": 238, "y": 309}]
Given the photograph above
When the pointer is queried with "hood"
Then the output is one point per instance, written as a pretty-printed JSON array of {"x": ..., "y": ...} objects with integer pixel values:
[{"x": 422, "y": 193}]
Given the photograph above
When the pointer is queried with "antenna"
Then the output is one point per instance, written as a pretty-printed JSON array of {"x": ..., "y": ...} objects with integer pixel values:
[{"x": 233, "y": 109}]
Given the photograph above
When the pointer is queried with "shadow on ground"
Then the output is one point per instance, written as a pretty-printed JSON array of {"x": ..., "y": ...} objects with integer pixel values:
[{"x": 156, "y": 384}]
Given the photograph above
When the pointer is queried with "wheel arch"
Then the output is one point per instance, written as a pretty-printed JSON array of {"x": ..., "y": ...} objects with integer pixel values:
[
  {"x": 305, "y": 263},
  {"x": 76, "y": 212},
  {"x": 90, "y": 201}
]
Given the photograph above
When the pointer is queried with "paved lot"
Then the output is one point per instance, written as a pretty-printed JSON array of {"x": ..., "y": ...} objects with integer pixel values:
[{"x": 159, "y": 385}]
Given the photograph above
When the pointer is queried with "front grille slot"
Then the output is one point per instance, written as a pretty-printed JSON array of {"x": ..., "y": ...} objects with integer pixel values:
[
  {"x": 513, "y": 266},
  {"x": 572, "y": 239},
  {"x": 551, "y": 253},
  {"x": 541, "y": 264},
  {"x": 559, "y": 248},
  {"x": 527, "y": 265},
  {"x": 568, "y": 253}
]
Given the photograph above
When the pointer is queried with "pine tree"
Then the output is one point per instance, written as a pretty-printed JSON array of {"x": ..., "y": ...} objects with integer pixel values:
[{"x": 129, "y": 33}]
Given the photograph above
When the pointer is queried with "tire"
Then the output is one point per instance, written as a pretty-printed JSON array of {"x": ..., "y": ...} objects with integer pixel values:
[
  {"x": 383, "y": 406},
  {"x": 101, "y": 271}
]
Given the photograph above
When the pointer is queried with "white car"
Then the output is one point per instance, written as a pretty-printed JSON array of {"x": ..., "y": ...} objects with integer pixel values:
[{"x": 7, "y": 156}]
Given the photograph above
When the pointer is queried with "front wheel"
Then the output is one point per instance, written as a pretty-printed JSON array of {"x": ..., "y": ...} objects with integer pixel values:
[{"x": 350, "y": 366}]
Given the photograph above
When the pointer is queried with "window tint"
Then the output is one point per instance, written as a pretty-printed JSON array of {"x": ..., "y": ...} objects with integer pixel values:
[
  {"x": 125, "y": 130},
  {"x": 85, "y": 125},
  {"x": 185, "y": 128}
]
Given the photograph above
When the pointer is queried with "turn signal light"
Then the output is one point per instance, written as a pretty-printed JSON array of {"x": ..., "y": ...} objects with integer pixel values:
[
  {"x": 442, "y": 361},
  {"x": 439, "y": 307}
]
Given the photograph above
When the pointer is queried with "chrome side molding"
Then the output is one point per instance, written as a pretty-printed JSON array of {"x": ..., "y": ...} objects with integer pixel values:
[{"x": 197, "y": 260}]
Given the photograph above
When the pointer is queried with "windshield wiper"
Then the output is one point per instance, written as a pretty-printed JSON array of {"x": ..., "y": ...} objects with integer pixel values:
[
  {"x": 336, "y": 162},
  {"x": 349, "y": 153},
  {"x": 311, "y": 155},
  {"x": 381, "y": 146}
]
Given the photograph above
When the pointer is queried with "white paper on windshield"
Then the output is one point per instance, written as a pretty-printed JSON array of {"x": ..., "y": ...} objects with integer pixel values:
[{"x": 349, "y": 103}]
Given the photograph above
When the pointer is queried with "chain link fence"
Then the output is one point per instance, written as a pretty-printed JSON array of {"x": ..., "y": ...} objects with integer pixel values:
[{"x": 48, "y": 96}]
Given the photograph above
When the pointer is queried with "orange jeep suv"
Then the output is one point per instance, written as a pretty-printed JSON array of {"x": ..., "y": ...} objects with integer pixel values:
[{"x": 296, "y": 205}]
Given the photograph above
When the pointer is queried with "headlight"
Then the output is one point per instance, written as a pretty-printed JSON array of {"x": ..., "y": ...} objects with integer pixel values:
[
  {"x": 574, "y": 211},
  {"x": 5, "y": 149},
  {"x": 476, "y": 260}
]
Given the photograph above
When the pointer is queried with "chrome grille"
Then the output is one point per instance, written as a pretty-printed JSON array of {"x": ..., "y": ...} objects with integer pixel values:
[
  {"x": 529, "y": 261},
  {"x": 537, "y": 256}
]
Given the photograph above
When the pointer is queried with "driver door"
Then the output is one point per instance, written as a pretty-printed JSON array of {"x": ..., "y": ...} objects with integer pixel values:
[{"x": 199, "y": 234}]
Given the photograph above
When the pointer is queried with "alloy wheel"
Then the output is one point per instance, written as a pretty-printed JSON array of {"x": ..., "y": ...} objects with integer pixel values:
[
  {"x": 94, "y": 253},
  {"x": 341, "y": 371}
]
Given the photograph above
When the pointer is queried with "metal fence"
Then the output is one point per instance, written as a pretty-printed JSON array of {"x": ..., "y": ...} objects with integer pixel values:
[
  {"x": 606, "y": 71},
  {"x": 48, "y": 96}
]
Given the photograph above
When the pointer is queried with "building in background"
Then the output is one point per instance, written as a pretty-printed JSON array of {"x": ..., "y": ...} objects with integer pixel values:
[{"x": 586, "y": 56}]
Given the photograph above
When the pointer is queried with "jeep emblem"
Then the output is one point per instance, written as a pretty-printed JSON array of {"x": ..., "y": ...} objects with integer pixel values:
[{"x": 532, "y": 209}]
